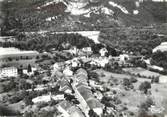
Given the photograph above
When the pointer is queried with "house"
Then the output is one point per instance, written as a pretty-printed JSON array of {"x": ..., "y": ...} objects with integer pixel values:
[
  {"x": 95, "y": 105},
  {"x": 58, "y": 66},
  {"x": 162, "y": 47},
  {"x": 44, "y": 98},
  {"x": 9, "y": 72},
  {"x": 91, "y": 101},
  {"x": 101, "y": 61},
  {"x": 69, "y": 110},
  {"x": 47, "y": 98},
  {"x": 25, "y": 71},
  {"x": 83, "y": 104},
  {"x": 13, "y": 57},
  {"x": 162, "y": 79},
  {"x": 65, "y": 86},
  {"x": 103, "y": 51},
  {"x": 75, "y": 63},
  {"x": 73, "y": 50},
  {"x": 81, "y": 76},
  {"x": 81, "y": 71},
  {"x": 87, "y": 49},
  {"x": 68, "y": 72},
  {"x": 82, "y": 79},
  {"x": 124, "y": 58}
]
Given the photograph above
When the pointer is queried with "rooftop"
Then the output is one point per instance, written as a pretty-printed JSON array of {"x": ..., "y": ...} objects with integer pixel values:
[{"x": 14, "y": 51}]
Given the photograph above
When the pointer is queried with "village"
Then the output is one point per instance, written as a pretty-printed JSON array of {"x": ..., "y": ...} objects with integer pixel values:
[
  {"x": 83, "y": 58},
  {"x": 87, "y": 85}
]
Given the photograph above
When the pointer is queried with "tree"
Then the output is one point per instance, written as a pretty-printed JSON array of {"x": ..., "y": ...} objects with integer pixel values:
[
  {"x": 155, "y": 80},
  {"x": 127, "y": 83},
  {"x": 144, "y": 108},
  {"x": 6, "y": 111},
  {"x": 28, "y": 100},
  {"x": 29, "y": 69},
  {"x": 24, "y": 85},
  {"x": 133, "y": 80},
  {"x": 159, "y": 58},
  {"x": 145, "y": 86},
  {"x": 92, "y": 113}
]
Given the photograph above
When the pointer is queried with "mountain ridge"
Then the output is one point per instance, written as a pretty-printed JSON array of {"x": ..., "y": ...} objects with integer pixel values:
[{"x": 80, "y": 14}]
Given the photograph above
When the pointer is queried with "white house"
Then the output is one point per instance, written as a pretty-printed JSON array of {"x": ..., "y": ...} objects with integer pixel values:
[
  {"x": 67, "y": 72},
  {"x": 123, "y": 58},
  {"x": 102, "y": 61},
  {"x": 162, "y": 47},
  {"x": 103, "y": 51},
  {"x": 8, "y": 72},
  {"x": 163, "y": 79},
  {"x": 44, "y": 98},
  {"x": 87, "y": 50},
  {"x": 47, "y": 98}
]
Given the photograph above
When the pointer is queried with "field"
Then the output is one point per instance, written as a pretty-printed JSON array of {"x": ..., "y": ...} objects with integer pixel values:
[
  {"x": 133, "y": 98},
  {"x": 142, "y": 72}
]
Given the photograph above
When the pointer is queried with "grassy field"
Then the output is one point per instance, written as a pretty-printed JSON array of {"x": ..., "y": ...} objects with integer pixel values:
[
  {"x": 141, "y": 71},
  {"x": 132, "y": 98}
]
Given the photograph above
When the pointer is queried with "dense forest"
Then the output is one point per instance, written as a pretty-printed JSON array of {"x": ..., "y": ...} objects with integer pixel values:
[
  {"x": 159, "y": 58},
  {"x": 23, "y": 15},
  {"x": 28, "y": 15},
  {"x": 48, "y": 41},
  {"x": 139, "y": 41}
]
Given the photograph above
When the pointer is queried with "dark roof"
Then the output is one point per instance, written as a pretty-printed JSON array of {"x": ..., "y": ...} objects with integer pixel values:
[
  {"x": 85, "y": 92},
  {"x": 64, "y": 85}
]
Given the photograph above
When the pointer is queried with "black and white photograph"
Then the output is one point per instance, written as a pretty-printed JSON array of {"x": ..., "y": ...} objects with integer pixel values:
[{"x": 83, "y": 58}]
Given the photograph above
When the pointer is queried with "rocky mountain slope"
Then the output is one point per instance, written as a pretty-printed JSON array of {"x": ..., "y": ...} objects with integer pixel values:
[{"x": 63, "y": 15}]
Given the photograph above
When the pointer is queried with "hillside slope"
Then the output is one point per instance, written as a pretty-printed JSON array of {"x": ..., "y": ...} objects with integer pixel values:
[{"x": 60, "y": 15}]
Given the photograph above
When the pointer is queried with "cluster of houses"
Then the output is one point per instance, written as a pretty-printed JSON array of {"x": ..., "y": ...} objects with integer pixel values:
[
  {"x": 84, "y": 93},
  {"x": 86, "y": 56},
  {"x": 77, "y": 85}
]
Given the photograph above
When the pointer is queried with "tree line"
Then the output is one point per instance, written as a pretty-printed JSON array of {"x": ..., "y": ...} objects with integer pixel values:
[{"x": 48, "y": 41}]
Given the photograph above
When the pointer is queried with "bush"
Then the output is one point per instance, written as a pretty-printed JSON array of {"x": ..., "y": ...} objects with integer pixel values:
[
  {"x": 155, "y": 79},
  {"x": 92, "y": 113},
  {"x": 146, "y": 105},
  {"x": 28, "y": 101},
  {"x": 127, "y": 83},
  {"x": 159, "y": 58},
  {"x": 145, "y": 86},
  {"x": 15, "y": 99},
  {"x": 102, "y": 74},
  {"x": 42, "y": 104},
  {"x": 10, "y": 86},
  {"x": 133, "y": 80}
]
